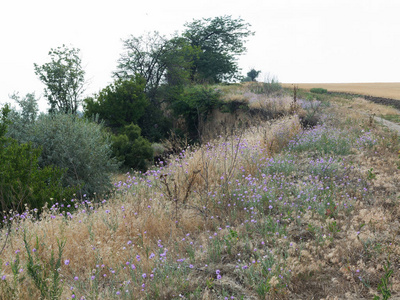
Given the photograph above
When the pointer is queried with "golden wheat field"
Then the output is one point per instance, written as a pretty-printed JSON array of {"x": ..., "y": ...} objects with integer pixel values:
[{"x": 378, "y": 89}]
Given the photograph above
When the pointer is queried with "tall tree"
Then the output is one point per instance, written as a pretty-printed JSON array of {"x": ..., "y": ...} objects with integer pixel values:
[
  {"x": 221, "y": 40},
  {"x": 253, "y": 74},
  {"x": 157, "y": 59},
  {"x": 64, "y": 78}
]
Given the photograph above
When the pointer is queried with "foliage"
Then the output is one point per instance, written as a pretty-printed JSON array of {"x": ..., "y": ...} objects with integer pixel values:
[
  {"x": 119, "y": 104},
  {"x": 131, "y": 148},
  {"x": 64, "y": 79},
  {"x": 253, "y": 74},
  {"x": 46, "y": 277},
  {"x": 194, "y": 105},
  {"x": 246, "y": 79},
  {"x": 384, "y": 285},
  {"x": 20, "y": 121},
  {"x": 4, "y": 121},
  {"x": 22, "y": 181},
  {"x": 205, "y": 52},
  {"x": 154, "y": 124},
  {"x": 221, "y": 40},
  {"x": 318, "y": 90},
  {"x": 78, "y": 145},
  {"x": 268, "y": 87},
  {"x": 157, "y": 59},
  {"x": 29, "y": 107},
  {"x": 284, "y": 220}
]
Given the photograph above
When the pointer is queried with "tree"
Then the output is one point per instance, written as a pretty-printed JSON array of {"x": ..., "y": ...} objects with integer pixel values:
[
  {"x": 119, "y": 104},
  {"x": 157, "y": 59},
  {"x": 64, "y": 79},
  {"x": 21, "y": 120},
  {"x": 29, "y": 107},
  {"x": 221, "y": 40},
  {"x": 253, "y": 74}
]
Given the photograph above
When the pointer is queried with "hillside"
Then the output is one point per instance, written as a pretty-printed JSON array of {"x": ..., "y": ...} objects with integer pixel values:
[{"x": 301, "y": 204}]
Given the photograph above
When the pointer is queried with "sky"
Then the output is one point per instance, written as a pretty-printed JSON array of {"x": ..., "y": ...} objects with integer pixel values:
[{"x": 318, "y": 41}]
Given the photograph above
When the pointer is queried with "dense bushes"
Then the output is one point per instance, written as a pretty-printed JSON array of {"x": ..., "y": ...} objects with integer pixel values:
[
  {"x": 132, "y": 149},
  {"x": 22, "y": 181},
  {"x": 119, "y": 104},
  {"x": 318, "y": 90},
  {"x": 194, "y": 104},
  {"x": 78, "y": 145},
  {"x": 270, "y": 86}
]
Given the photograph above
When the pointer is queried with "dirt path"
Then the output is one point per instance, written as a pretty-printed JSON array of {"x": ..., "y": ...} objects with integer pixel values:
[{"x": 388, "y": 124}]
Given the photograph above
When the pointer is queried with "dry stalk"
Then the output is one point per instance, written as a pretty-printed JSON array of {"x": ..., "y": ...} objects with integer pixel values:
[{"x": 173, "y": 196}]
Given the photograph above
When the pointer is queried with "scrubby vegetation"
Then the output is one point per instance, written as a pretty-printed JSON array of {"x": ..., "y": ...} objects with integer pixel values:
[
  {"x": 270, "y": 211},
  {"x": 318, "y": 90},
  {"x": 255, "y": 192}
]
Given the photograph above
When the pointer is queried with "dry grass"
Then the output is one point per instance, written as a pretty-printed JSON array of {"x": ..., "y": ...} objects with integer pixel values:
[
  {"x": 270, "y": 212},
  {"x": 381, "y": 89}
]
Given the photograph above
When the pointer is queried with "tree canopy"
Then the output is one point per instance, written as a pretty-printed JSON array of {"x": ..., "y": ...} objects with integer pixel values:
[
  {"x": 157, "y": 59},
  {"x": 253, "y": 74},
  {"x": 119, "y": 104},
  {"x": 64, "y": 78},
  {"x": 221, "y": 40},
  {"x": 206, "y": 51}
]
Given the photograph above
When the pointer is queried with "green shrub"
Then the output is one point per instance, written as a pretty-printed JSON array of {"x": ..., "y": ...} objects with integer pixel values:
[
  {"x": 78, "y": 145},
  {"x": 154, "y": 125},
  {"x": 194, "y": 105},
  {"x": 22, "y": 181},
  {"x": 318, "y": 90},
  {"x": 132, "y": 149},
  {"x": 119, "y": 104},
  {"x": 269, "y": 86}
]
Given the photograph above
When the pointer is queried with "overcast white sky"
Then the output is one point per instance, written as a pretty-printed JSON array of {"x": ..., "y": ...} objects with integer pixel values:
[{"x": 295, "y": 40}]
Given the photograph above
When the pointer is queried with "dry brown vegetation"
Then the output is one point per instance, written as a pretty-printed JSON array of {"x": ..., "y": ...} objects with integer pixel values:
[
  {"x": 378, "y": 89},
  {"x": 271, "y": 211}
]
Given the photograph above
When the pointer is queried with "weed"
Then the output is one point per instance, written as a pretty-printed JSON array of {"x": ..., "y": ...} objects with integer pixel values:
[
  {"x": 371, "y": 175},
  {"x": 45, "y": 276},
  {"x": 383, "y": 286}
]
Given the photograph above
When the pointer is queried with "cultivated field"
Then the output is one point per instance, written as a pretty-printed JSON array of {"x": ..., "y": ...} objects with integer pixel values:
[{"x": 380, "y": 89}]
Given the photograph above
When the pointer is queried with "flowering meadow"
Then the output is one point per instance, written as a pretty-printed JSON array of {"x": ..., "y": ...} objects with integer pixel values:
[{"x": 274, "y": 211}]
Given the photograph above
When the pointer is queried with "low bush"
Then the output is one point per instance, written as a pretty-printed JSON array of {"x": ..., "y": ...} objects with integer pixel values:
[
  {"x": 131, "y": 149},
  {"x": 194, "y": 105},
  {"x": 318, "y": 90},
  {"x": 270, "y": 86},
  {"x": 78, "y": 145}
]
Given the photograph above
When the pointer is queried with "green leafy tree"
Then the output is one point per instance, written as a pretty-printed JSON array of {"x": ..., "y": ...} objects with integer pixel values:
[
  {"x": 64, "y": 78},
  {"x": 221, "y": 40},
  {"x": 253, "y": 74},
  {"x": 132, "y": 149},
  {"x": 157, "y": 59},
  {"x": 119, "y": 104}
]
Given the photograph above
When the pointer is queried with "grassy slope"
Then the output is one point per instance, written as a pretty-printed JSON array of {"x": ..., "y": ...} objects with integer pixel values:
[{"x": 273, "y": 211}]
